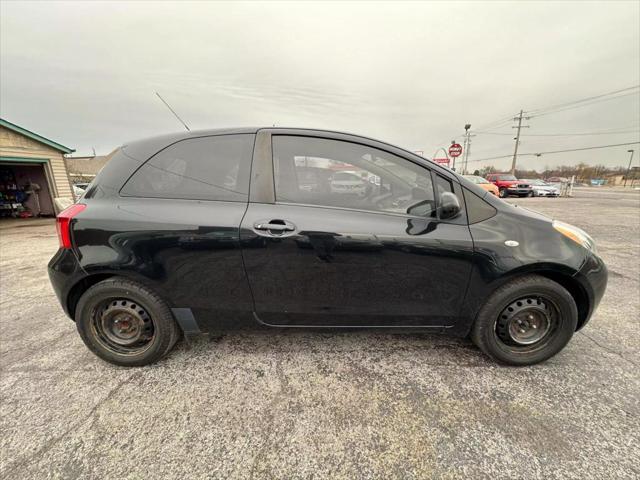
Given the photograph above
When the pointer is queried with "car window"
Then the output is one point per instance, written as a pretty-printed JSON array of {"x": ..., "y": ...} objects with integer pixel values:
[
  {"x": 318, "y": 171},
  {"x": 443, "y": 185},
  {"x": 507, "y": 177},
  {"x": 478, "y": 180},
  {"x": 206, "y": 168}
]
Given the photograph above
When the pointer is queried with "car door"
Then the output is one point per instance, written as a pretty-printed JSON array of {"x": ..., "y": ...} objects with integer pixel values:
[{"x": 376, "y": 255}]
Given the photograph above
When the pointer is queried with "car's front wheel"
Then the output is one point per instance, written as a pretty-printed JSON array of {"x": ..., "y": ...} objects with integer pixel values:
[
  {"x": 125, "y": 323},
  {"x": 502, "y": 193},
  {"x": 526, "y": 321}
]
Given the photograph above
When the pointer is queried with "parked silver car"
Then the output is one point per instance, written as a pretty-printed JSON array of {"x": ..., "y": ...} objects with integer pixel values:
[
  {"x": 542, "y": 189},
  {"x": 348, "y": 183}
]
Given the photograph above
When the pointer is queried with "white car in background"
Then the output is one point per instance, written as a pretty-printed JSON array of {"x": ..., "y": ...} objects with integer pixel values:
[
  {"x": 79, "y": 189},
  {"x": 543, "y": 189},
  {"x": 348, "y": 183}
]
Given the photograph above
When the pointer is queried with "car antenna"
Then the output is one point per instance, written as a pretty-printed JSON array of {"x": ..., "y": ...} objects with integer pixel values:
[{"x": 173, "y": 111}]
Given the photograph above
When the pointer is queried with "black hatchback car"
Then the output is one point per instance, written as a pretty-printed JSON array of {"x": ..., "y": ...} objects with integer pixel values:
[{"x": 193, "y": 232}]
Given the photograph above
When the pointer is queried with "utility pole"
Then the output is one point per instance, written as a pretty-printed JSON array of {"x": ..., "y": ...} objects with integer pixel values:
[
  {"x": 517, "y": 139},
  {"x": 629, "y": 168}
]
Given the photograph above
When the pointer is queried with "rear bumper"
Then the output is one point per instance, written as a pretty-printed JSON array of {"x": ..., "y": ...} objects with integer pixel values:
[{"x": 64, "y": 272}]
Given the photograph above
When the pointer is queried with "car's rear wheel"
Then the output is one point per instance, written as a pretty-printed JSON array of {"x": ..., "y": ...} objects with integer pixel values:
[
  {"x": 526, "y": 321},
  {"x": 125, "y": 323},
  {"x": 502, "y": 193}
]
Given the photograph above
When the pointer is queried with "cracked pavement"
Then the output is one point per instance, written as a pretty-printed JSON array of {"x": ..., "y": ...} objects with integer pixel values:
[{"x": 299, "y": 404}]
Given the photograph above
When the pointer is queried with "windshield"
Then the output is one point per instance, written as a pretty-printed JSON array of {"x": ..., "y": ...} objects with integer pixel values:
[
  {"x": 476, "y": 179},
  {"x": 507, "y": 177}
]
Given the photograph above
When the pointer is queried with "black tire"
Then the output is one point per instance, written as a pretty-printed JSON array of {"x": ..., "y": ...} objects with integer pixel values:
[
  {"x": 502, "y": 193},
  {"x": 530, "y": 194},
  {"x": 493, "y": 336},
  {"x": 161, "y": 335}
]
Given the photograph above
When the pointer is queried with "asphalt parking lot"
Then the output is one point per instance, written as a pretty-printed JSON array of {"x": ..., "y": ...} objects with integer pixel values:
[{"x": 295, "y": 404}]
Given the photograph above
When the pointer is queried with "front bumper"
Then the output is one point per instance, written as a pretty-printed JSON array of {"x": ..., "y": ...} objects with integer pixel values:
[
  {"x": 518, "y": 191},
  {"x": 593, "y": 277},
  {"x": 546, "y": 193}
]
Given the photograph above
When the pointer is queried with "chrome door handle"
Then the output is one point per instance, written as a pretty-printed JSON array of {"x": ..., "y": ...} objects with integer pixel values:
[
  {"x": 278, "y": 227},
  {"x": 273, "y": 226}
]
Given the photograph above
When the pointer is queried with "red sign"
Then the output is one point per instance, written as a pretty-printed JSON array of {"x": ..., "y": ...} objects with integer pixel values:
[
  {"x": 455, "y": 150},
  {"x": 442, "y": 161}
]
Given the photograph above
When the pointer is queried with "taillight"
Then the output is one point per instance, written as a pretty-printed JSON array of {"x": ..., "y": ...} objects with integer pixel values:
[{"x": 63, "y": 223}]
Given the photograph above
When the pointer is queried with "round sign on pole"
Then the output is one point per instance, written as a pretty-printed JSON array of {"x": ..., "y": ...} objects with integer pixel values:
[{"x": 455, "y": 150}]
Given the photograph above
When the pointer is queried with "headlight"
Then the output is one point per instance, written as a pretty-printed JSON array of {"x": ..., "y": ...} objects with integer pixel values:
[{"x": 576, "y": 234}]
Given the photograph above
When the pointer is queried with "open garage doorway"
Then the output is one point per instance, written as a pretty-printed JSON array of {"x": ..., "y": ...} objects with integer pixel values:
[{"x": 25, "y": 190}]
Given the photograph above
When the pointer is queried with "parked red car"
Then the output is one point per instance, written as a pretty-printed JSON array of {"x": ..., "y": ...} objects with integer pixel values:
[{"x": 509, "y": 185}]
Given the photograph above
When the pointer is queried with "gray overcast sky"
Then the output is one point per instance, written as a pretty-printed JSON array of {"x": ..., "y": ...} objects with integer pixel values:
[{"x": 413, "y": 74}]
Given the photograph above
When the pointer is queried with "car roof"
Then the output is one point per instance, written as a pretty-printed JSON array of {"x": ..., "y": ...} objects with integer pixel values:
[
  {"x": 142, "y": 149},
  {"x": 177, "y": 136}
]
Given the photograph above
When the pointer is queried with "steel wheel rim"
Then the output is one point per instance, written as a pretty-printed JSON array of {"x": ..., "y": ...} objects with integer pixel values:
[
  {"x": 527, "y": 322},
  {"x": 123, "y": 326}
]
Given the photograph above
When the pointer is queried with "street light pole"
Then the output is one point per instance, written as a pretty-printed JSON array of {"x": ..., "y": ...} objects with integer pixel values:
[
  {"x": 467, "y": 146},
  {"x": 628, "y": 168}
]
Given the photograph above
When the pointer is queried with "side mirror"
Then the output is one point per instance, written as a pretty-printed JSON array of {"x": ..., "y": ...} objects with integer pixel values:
[{"x": 449, "y": 206}]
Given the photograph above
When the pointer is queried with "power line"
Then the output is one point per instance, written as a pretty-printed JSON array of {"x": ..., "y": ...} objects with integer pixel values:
[
  {"x": 494, "y": 124},
  {"x": 558, "y": 105},
  {"x": 595, "y": 147},
  {"x": 558, "y": 151},
  {"x": 583, "y": 105},
  {"x": 594, "y": 97},
  {"x": 556, "y": 108},
  {"x": 614, "y": 132}
]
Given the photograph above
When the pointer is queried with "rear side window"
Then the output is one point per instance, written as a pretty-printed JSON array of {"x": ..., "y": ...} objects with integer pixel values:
[{"x": 207, "y": 168}]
